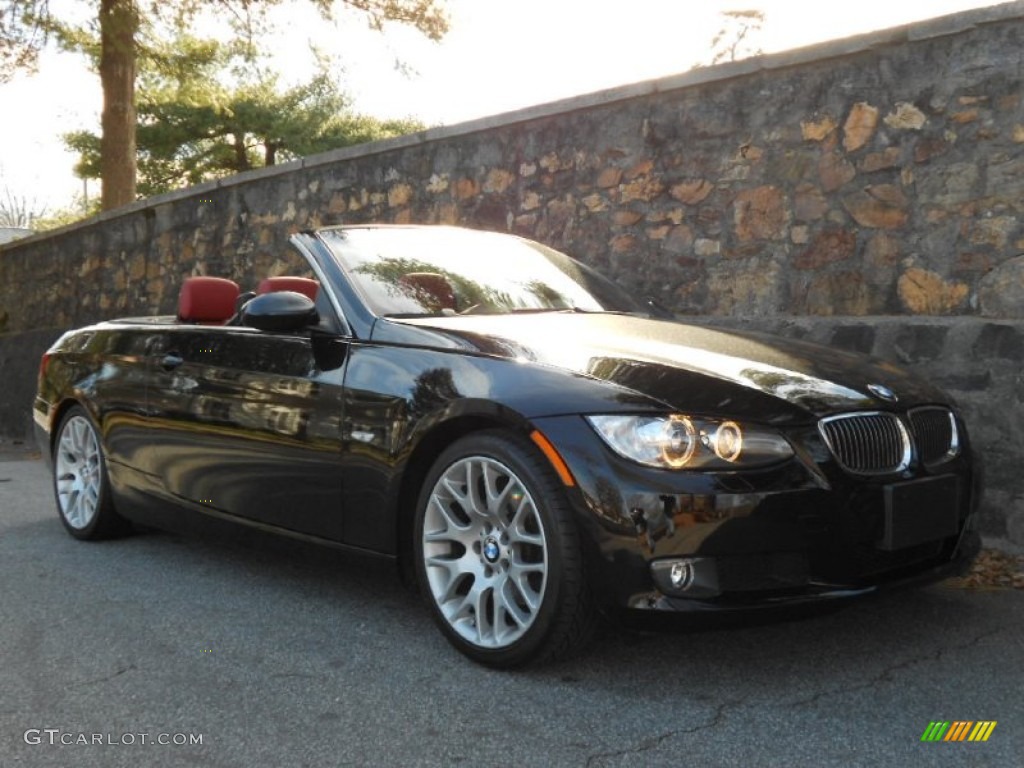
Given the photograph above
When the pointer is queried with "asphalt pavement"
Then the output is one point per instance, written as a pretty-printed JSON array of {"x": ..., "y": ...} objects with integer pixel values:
[{"x": 164, "y": 650}]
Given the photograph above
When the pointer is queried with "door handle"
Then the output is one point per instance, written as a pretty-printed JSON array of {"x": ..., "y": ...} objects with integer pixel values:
[{"x": 171, "y": 361}]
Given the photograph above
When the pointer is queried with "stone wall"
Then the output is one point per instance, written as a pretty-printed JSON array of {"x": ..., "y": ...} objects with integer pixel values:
[{"x": 867, "y": 191}]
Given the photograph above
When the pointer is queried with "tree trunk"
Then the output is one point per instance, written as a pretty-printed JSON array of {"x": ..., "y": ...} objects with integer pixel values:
[
  {"x": 241, "y": 153},
  {"x": 119, "y": 22}
]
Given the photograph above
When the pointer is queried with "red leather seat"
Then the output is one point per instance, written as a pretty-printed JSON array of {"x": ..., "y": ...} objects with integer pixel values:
[
  {"x": 303, "y": 285},
  {"x": 208, "y": 300}
]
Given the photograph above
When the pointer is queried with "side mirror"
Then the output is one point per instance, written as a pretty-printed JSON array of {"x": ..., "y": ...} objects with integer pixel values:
[{"x": 280, "y": 312}]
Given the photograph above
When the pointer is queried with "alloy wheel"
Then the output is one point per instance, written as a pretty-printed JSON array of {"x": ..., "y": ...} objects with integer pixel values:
[
  {"x": 78, "y": 471},
  {"x": 485, "y": 552}
]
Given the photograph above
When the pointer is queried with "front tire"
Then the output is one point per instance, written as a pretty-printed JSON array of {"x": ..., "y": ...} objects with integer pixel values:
[
  {"x": 80, "y": 481},
  {"x": 497, "y": 553}
]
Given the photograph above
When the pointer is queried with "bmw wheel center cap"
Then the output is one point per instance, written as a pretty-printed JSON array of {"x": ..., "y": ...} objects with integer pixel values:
[{"x": 491, "y": 549}]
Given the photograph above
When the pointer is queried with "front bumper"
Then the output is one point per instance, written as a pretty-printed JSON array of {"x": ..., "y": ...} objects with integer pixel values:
[
  {"x": 912, "y": 576},
  {"x": 41, "y": 426},
  {"x": 800, "y": 533}
]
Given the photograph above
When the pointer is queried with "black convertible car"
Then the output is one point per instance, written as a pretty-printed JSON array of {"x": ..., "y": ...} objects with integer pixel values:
[{"x": 533, "y": 444}]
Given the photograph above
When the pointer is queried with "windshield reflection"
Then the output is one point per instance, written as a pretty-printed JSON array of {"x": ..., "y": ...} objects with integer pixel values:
[{"x": 410, "y": 272}]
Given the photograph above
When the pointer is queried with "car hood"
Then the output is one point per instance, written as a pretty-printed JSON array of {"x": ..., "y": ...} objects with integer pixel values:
[{"x": 674, "y": 361}]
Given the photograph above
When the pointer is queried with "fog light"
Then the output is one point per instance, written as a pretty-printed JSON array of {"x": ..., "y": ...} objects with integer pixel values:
[
  {"x": 687, "y": 576},
  {"x": 680, "y": 575}
]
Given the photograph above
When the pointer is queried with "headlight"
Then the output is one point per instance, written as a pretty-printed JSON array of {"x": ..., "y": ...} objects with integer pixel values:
[{"x": 685, "y": 442}]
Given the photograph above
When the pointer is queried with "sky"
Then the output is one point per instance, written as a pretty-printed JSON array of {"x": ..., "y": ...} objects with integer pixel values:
[{"x": 500, "y": 55}]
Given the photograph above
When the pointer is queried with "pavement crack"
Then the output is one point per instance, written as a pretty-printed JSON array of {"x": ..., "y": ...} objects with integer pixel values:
[
  {"x": 889, "y": 673},
  {"x": 288, "y": 675},
  {"x": 107, "y": 678},
  {"x": 654, "y": 742}
]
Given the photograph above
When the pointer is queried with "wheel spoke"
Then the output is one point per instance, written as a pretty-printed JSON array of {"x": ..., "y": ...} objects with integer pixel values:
[
  {"x": 71, "y": 510},
  {"x": 456, "y": 493},
  {"x": 519, "y": 577},
  {"x": 91, "y": 495},
  {"x": 460, "y": 609},
  {"x": 72, "y": 441},
  {"x": 78, "y": 439},
  {"x": 533, "y": 539},
  {"x": 452, "y": 578},
  {"x": 525, "y": 516},
  {"x": 484, "y": 620},
  {"x": 476, "y": 479},
  {"x": 436, "y": 536},
  {"x": 496, "y": 496},
  {"x": 450, "y": 528},
  {"x": 510, "y": 607}
]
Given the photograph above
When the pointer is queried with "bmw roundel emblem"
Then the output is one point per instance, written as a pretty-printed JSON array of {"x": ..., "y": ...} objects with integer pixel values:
[
  {"x": 491, "y": 550},
  {"x": 882, "y": 392}
]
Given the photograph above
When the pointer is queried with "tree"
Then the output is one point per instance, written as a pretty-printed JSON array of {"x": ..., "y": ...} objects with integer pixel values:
[
  {"x": 22, "y": 35},
  {"x": 731, "y": 42},
  {"x": 119, "y": 27},
  {"x": 25, "y": 26},
  {"x": 18, "y": 211},
  {"x": 195, "y": 124},
  {"x": 78, "y": 210}
]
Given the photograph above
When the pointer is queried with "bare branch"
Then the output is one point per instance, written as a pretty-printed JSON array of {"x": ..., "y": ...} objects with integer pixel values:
[
  {"x": 24, "y": 28},
  {"x": 19, "y": 211}
]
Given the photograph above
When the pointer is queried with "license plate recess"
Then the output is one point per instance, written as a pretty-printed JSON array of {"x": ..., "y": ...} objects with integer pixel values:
[{"x": 920, "y": 511}]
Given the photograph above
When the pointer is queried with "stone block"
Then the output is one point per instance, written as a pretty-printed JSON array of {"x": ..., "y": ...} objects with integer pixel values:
[
  {"x": 925, "y": 293},
  {"x": 826, "y": 247},
  {"x": 906, "y": 117},
  {"x": 691, "y": 192},
  {"x": 760, "y": 214},
  {"x": 978, "y": 381},
  {"x": 999, "y": 341},
  {"x": 860, "y": 126},
  {"x": 855, "y": 338},
  {"x": 834, "y": 170},
  {"x": 882, "y": 206},
  {"x": 1001, "y": 291},
  {"x": 1015, "y": 522},
  {"x": 921, "y": 342}
]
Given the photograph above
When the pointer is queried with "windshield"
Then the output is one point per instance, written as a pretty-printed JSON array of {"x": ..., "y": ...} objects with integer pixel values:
[{"x": 415, "y": 271}]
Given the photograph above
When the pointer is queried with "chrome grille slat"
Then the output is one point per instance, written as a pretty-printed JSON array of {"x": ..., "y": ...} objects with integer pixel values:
[
  {"x": 935, "y": 434},
  {"x": 870, "y": 443}
]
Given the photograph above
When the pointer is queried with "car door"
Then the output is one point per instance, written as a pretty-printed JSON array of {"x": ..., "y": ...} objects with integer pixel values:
[{"x": 248, "y": 423}]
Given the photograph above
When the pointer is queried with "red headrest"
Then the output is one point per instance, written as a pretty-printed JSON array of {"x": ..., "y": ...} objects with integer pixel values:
[
  {"x": 302, "y": 285},
  {"x": 207, "y": 300}
]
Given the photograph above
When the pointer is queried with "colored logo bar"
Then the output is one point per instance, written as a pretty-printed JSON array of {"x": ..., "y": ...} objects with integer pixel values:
[{"x": 959, "y": 730}]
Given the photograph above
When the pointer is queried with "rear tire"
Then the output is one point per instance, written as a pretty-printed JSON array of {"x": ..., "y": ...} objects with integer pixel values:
[
  {"x": 497, "y": 553},
  {"x": 80, "y": 482}
]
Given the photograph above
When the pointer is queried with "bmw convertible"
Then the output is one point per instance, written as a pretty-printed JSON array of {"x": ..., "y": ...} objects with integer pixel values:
[{"x": 533, "y": 445}]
